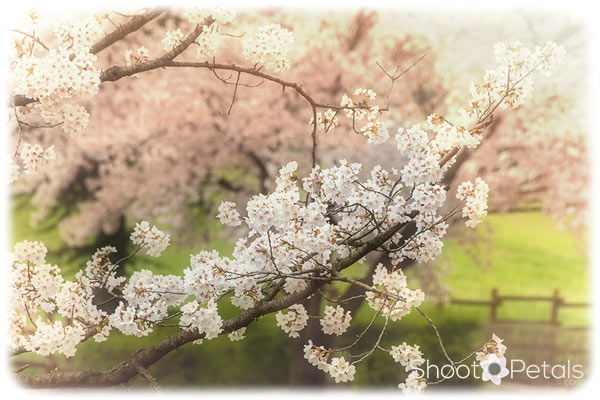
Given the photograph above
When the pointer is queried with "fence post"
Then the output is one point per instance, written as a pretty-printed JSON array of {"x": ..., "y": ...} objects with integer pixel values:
[
  {"x": 556, "y": 302},
  {"x": 494, "y": 304}
]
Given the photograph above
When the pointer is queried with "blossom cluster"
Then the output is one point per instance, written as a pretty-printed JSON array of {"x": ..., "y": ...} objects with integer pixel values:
[
  {"x": 205, "y": 319},
  {"x": 317, "y": 356},
  {"x": 423, "y": 164},
  {"x": 326, "y": 120},
  {"x": 339, "y": 369},
  {"x": 269, "y": 46},
  {"x": 228, "y": 215},
  {"x": 33, "y": 252},
  {"x": 38, "y": 289},
  {"x": 410, "y": 357},
  {"x": 238, "y": 335},
  {"x": 475, "y": 197},
  {"x": 511, "y": 83},
  {"x": 208, "y": 42},
  {"x": 209, "y": 39},
  {"x": 413, "y": 384},
  {"x": 335, "y": 321},
  {"x": 492, "y": 346},
  {"x": 449, "y": 136},
  {"x": 76, "y": 35},
  {"x": 62, "y": 76},
  {"x": 375, "y": 130},
  {"x": 101, "y": 271},
  {"x": 147, "y": 297},
  {"x": 172, "y": 39},
  {"x": 140, "y": 56},
  {"x": 293, "y": 321},
  {"x": 151, "y": 239},
  {"x": 35, "y": 159},
  {"x": 395, "y": 300},
  {"x": 198, "y": 15}
]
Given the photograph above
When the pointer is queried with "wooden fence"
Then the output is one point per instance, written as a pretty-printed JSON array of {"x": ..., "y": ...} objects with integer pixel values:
[{"x": 496, "y": 300}]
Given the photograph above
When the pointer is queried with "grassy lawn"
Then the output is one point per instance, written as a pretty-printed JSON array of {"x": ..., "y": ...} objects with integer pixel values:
[{"x": 527, "y": 255}]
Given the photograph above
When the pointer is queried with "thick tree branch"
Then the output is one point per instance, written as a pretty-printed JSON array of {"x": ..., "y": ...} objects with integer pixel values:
[
  {"x": 144, "y": 373},
  {"x": 117, "y": 72},
  {"x": 130, "y": 26}
]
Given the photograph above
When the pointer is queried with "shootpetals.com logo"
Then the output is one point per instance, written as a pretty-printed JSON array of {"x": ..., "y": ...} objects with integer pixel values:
[
  {"x": 491, "y": 365},
  {"x": 494, "y": 369}
]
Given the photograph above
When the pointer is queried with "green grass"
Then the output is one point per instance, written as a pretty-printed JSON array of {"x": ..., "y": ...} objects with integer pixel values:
[
  {"x": 527, "y": 255},
  {"x": 520, "y": 254}
]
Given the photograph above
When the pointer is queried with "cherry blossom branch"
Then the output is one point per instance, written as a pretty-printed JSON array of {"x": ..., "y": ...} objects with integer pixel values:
[
  {"x": 368, "y": 353},
  {"x": 34, "y": 38},
  {"x": 127, "y": 370},
  {"x": 117, "y": 72},
  {"x": 135, "y": 23},
  {"x": 130, "y": 26},
  {"x": 91, "y": 331},
  {"x": 360, "y": 335},
  {"x": 285, "y": 84}
]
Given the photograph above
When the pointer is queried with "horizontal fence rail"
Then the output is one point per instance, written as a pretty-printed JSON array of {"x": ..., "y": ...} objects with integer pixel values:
[{"x": 496, "y": 300}]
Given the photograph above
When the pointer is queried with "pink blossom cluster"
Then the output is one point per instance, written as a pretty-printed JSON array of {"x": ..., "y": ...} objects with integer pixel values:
[
  {"x": 140, "y": 56},
  {"x": 292, "y": 321},
  {"x": 237, "y": 335},
  {"x": 326, "y": 120},
  {"x": 38, "y": 290},
  {"x": 198, "y": 15},
  {"x": 60, "y": 77},
  {"x": 172, "y": 39},
  {"x": 208, "y": 42},
  {"x": 475, "y": 197},
  {"x": 35, "y": 159},
  {"x": 375, "y": 130},
  {"x": 413, "y": 384},
  {"x": 511, "y": 84},
  {"x": 395, "y": 300},
  {"x": 269, "y": 46},
  {"x": 410, "y": 357},
  {"x": 152, "y": 240},
  {"x": 205, "y": 319},
  {"x": 339, "y": 369},
  {"x": 335, "y": 320},
  {"x": 228, "y": 215}
]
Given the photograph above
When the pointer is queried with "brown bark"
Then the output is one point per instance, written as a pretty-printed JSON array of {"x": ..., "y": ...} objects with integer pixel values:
[{"x": 130, "y": 26}]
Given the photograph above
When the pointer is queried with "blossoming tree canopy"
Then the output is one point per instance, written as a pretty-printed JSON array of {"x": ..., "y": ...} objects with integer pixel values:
[
  {"x": 178, "y": 136},
  {"x": 296, "y": 239}
]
